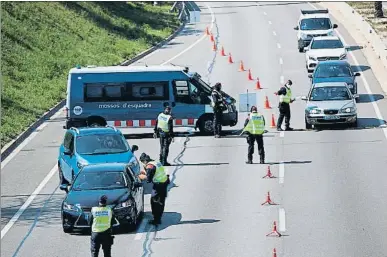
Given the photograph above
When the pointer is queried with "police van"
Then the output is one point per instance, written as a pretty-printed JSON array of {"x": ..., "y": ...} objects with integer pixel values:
[
  {"x": 133, "y": 96},
  {"x": 313, "y": 23}
]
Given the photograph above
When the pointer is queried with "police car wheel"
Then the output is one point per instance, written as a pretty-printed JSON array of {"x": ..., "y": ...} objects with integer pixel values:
[{"x": 307, "y": 125}]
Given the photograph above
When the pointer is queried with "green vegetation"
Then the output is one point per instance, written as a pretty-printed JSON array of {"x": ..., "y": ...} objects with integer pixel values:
[{"x": 41, "y": 41}]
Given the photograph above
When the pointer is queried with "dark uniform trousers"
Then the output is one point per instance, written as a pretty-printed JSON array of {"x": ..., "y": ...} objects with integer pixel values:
[
  {"x": 103, "y": 238},
  {"x": 165, "y": 142},
  {"x": 218, "y": 116},
  {"x": 251, "y": 139},
  {"x": 157, "y": 200},
  {"x": 284, "y": 110}
]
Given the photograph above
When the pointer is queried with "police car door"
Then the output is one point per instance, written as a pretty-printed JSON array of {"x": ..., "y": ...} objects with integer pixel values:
[
  {"x": 137, "y": 192},
  {"x": 188, "y": 103}
]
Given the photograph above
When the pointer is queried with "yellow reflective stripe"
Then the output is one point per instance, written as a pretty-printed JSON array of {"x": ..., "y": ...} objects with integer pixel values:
[{"x": 162, "y": 122}]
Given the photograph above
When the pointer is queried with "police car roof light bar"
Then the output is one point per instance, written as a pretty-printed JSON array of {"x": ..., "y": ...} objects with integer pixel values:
[
  {"x": 315, "y": 11},
  {"x": 75, "y": 129}
]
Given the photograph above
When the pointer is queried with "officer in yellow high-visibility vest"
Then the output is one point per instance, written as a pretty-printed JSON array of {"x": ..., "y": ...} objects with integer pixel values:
[
  {"x": 101, "y": 228},
  {"x": 164, "y": 128},
  {"x": 255, "y": 127},
  {"x": 285, "y": 100},
  {"x": 156, "y": 174}
]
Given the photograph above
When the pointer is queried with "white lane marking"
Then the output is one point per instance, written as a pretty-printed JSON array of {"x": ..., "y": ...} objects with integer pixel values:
[
  {"x": 282, "y": 79},
  {"x": 275, "y": 34},
  {"x": 281, "y": 173},
  {"x": 17, "y": 215},
  {"x": 366, "y": 85},
  {"x": 141, "y": 229},
  {"x": 282, "y": 133},
  {"x": 27, "y": 140},
  {"x": 281, "y": 61},
  {"x": 278, "y": 45},
  {"x": 264, "y": 13},
  {"x": 282, "y": 219},
  {"x": 269, "y": 22},
  {"x": 197, "y": 41}
]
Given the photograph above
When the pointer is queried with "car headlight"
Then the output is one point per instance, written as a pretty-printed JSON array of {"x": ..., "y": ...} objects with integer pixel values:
[
  {"x": 81, "y": 164},
  {"x": 134, "y": 165},
  {"x": 314, "y": 111},
  {"x": 312, "y": 58},
  {"x": 348, "y": 110},
  {"x": 343, "y": 56},
  {"x": 70, "y": 207}
]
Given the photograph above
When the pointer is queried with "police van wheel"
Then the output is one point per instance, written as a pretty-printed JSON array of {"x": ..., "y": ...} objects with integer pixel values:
[{"x": 206, "y": 124}]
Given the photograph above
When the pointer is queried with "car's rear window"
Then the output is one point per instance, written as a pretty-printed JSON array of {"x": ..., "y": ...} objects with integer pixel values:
[
  {"x": 89, "y": 180},
  {"x": 101, "y": 144}
]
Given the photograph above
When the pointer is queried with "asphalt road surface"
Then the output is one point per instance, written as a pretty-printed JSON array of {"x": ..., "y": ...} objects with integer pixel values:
[{"x": 330, "y": 186}]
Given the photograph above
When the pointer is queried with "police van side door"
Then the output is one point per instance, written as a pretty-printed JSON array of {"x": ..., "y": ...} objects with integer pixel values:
[{"x": 187, "y": 104}]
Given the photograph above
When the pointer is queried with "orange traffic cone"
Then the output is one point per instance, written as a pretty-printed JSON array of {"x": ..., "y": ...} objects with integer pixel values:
[
  {"x": 258, "y": 84},
  {"x": 230, "y": 58},
  {"x": 241, "y": 67},
  {"x": 214, "y": 47},
  {"x": 274, "y": 252},
  {"x": 249, "y": 77},
  {"x": 267, "y": 104},
  {"x": 272, "y": 121},
  {"x": 207, "y": 31},
  {"x": 212, "y": 37},
  {"x": 274, "y": 231},
  {"x": 222, "y": 52}
]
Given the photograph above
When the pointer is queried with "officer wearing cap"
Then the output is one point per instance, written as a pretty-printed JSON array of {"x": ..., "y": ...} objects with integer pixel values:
[
  {"x": 164, "y": 128},
  {"x": 255, "y": 127},
  {"x": 156, "y": 174},
  {"x": 285, "y": 100},
  {"x": 101, "y": 228},
  {"x": 218, "y": 108}
]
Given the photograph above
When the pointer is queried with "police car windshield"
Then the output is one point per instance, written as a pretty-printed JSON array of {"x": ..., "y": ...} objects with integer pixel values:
[
  {"x": 101, "y": 144},
  {"x": 315, "y": 24},
  {"x": 326, "y": 44},
  {"x": 100, "y": 181},
  {"x": 329, "y": 94},
  {"x": 328, "y": 71}
]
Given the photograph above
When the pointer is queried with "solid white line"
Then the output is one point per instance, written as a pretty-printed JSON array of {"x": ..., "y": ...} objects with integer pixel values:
[
  {"x": 282, "y": 79},
  {"x": 141, "y": 229},
  {"x": 17, "y": 215},
  {"x": 27, "y": 140},
  {"x": 282, "y": 220},
  {"x": 195, "y": 43},
  {"x": 275, "y": 34},
  {"x": 366, "y": 85},
  {"x": 278, "y": 45},
  {"x": 281, "y": 173},
  {"x": 269, "y": 22},
  {"x": 281, "y": 61},
  {"x": 282, "y": 133}
]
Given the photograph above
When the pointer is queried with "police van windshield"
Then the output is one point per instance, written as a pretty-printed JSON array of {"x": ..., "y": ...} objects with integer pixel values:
[
  {"x": 315, "y": 24},
  {"x": 203, "y": 85}
]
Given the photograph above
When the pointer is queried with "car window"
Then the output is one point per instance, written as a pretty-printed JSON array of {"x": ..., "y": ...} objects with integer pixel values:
[
  {"x": 67, "y": 140},
  {"x": 331, "y": 70},
  {"x": 329, "y": 94},
  {"x": 101, "y": 144},
  {"x": 100, "y": 180},
  {"x": 326, "y": 44},
  {"x": 315, "y": 24}
]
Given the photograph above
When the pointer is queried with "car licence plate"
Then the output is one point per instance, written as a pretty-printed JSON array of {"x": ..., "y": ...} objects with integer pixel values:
[{"x": 331, "y": 117}]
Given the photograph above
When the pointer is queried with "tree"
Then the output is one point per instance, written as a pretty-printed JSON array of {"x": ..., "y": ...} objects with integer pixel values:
[{"x": 378, "y": 9}]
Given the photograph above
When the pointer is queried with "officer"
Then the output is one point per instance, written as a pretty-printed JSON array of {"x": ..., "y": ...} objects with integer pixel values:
[
  {"x": 218, "y": 107},
  {"x": 255, "y": 127},
  {"x": 164, "y": 128},
  {"x": 156, "y": 174},
  {"x": 101, "y": 228},
  {"x": 286, "y": 99}
]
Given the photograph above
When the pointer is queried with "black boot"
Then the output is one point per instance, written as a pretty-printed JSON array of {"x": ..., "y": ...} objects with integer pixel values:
[{"x": 262, "y": 160}]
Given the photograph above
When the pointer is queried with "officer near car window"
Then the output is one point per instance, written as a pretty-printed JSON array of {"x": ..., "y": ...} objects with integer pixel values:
[
  {"x": 101, "y": 228},
  {"x": 285, "y": 100},
  {"x": 218, "y": 107},
  {"x": 155, "y": 173},
  {"x": 254, "y": 127},
  {"x": 164, "y": 129}
]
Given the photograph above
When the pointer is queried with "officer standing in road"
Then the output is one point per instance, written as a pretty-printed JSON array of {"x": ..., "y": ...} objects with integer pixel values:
[
  {"x": 156, "y": 174},
  {"x": 255, "y": 127},
  {"x": 286, "y": 99},
  {"x": 218, "y": 107},
  {"x": 101, "y": 228},
  {"x": 164, "y": 128}
]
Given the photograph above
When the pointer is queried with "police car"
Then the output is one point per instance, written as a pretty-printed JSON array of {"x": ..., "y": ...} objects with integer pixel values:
[{"x": 313, "y": 23}]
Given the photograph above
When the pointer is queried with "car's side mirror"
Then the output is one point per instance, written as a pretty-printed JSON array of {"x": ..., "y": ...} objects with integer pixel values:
[
  {"x": 134, "y": 148},
  {"x": 357, "y": 74},
  {"x": 64, "y": 187},
  {"x": 310, "y": 76},
  {"x": 304, "y": 98},
  {"x": 355, "y": 96},
  {"x": 137, "y": 184},
  {"x": 335, "y": 26},
  {"x": 296, "y": 28},
  {"x": 347, "y": 47},
  {"x": 67, "y": 152}
]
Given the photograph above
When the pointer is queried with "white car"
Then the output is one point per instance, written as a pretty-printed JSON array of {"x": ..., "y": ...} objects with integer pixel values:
[
  {"x": 313, "y": 23},
  {"x": 324, "y": 49}
]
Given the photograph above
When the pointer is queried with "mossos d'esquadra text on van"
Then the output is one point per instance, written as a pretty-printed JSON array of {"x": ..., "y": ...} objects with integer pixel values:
[{"x": 124, "y": 105}]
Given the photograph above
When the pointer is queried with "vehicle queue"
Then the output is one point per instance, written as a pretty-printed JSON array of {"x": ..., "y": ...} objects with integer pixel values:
[{"x": 98, "y": 170}]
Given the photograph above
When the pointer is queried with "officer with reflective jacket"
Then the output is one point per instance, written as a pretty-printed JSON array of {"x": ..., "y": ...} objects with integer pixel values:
[
  {"x": 218, "y": 106},
  {"x": 164, "y": 128},
  {"x": 255, "y": 127},
  {"x": 286, "y": 99},
  {"x": 156, "y": 174},
  {"x": 101, "y": 228}
]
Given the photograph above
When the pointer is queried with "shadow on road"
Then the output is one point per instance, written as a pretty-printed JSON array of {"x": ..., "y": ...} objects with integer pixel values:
[
  {"x": 367, "y": 98},
  {"x": 361, "y": 68},
  {"x": 354, "y": 48}
]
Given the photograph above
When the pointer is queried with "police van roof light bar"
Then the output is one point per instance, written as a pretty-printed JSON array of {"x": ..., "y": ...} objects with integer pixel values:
[{"x": 322, "y": 11}]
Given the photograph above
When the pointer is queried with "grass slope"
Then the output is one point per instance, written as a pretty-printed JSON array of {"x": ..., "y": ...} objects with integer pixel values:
[{"x": 41, "y": 41}]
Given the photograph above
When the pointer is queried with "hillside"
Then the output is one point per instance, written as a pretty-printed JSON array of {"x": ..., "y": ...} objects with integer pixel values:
[{"x": 41, "y": 41}]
